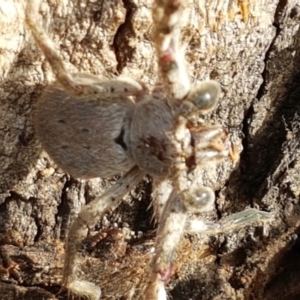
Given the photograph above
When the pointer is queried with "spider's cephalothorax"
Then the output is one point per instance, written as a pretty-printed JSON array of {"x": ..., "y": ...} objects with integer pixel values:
[
  {"x": 164, "y": 138},
  {"x": 95, "y": 127}
]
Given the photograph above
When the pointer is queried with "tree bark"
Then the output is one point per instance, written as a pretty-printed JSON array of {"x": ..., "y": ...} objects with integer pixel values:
[{"x": 253, "y": 49}]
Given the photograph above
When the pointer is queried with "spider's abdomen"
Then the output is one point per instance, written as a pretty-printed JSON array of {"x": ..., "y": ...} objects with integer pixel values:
[
  {"x": 86, "y": 137},
  {"x": 151, "y": 137}
]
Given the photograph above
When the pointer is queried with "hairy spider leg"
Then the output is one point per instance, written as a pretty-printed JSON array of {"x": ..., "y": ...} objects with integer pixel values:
[
  {"x": 169, "y": 233},
  {"x": 166, "y": 34},
  {"x": 78, "y": 84},
  {"x": 88, "y": 217}
]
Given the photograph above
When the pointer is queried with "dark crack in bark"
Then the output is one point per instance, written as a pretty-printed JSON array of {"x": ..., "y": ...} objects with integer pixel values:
[
  {"x": 63, "y": 211},
  {"x": 122, "y": 43},
  {"x": 257, "y": 165}
]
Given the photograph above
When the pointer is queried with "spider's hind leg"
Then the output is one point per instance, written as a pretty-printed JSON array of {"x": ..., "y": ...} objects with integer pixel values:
[
  {"x": 229, "y": 223},
  {"x": 87, "y": 218},
  {"x": 48, "y": 49},
  {"x": 78, "y": 84}
]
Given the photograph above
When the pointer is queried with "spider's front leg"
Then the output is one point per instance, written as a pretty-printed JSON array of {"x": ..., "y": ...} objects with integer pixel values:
[
  {"x": 88, "y": 217},
  {"x": 169, "y": 232},
  {"x": 166, "y": 35}
]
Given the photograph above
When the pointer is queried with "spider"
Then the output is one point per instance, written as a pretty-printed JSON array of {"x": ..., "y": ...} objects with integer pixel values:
[{"x": 97, "y": 127}]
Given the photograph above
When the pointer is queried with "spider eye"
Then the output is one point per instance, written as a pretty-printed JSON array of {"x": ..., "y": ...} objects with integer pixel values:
[{"x": 205, "y": 96}]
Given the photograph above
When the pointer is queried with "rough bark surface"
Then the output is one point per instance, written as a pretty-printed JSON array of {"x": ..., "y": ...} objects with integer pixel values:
[{"x": 253, "y": 49}]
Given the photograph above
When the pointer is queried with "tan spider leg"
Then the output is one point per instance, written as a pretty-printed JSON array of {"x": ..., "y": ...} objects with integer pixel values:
[
  {"x": 166, "y": 18},
  {"x": 231, "y": 222},
  {"x": 161, "y": 193},
  {"x": 78, "y": 84},
  {"x": 87, "y": 217},
  {"x": 48, "y": 49},
  {"x": 169, "y": 232}
]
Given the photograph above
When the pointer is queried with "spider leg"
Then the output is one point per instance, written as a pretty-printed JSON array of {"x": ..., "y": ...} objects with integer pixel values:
[
  {"x": 161, "y": 193},
  {"x": 87, "y": 217},
  {"x": 79, "y": 84},
  {"x": 166, "y": 18},
  {"x": 169, "y": 232},
  {"x": 231, "y": 222},
  {"x": 48, "y": 49}
]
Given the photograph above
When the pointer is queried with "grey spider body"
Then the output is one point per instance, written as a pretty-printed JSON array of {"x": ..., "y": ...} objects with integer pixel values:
[
  {"x": 95, "y": 127},
  {"x": 86, "y": 137},
  {"x": 90, "y": 136},
  {"x": 152, "y": 131}
]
